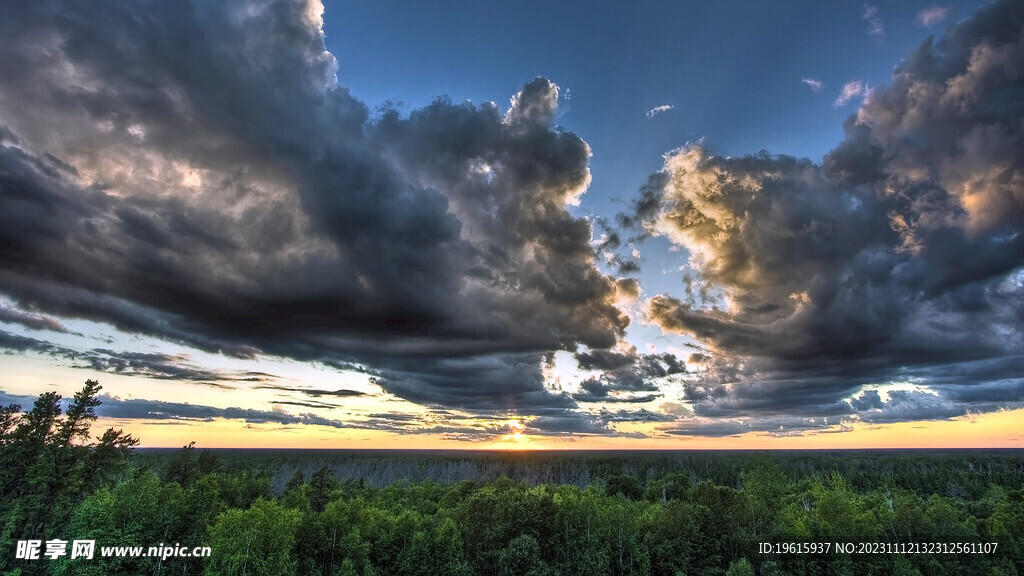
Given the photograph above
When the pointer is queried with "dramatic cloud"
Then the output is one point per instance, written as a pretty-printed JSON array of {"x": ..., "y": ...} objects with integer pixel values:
[
  {"x": 931, "y": 16},
  {"x": 658, "y": 110},
  {"x": 29, "y": 320},
  {"x": 160, "y": 366},
  {"x": 640, "y": 415},
  {"x": 194, "y": 172},
  {"x": 340, "y": 393},
  {"x": 197, "y": 173},
  {"x": 17, "y": 343},
  {"x": 815, "y": 85},
  {"x": 899, "y": 259},
  {"x": 317, "y": 405},
  {"x": 625, "y": 373},
  {"x": 147, "y": 365},
  {"x": 139, "y": 409},
  {"x": 597, "y": 391}
]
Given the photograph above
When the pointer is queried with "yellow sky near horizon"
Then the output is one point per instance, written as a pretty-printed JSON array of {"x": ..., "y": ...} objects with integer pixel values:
[{"x": 994, "y": 430}]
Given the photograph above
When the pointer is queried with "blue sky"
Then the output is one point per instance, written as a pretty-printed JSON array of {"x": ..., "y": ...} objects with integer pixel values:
[
  {"x": 733, "y": 73},
  {"x": 297, "y": 224}
]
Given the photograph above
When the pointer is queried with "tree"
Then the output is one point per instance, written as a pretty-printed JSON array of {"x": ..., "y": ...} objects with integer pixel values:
[
  {"x": 109, "y": 458},
  {"x": 740, "y": 567},
  {"x": 183, "y": 467},
  {"x": 628, "y": 486},
  {"x": 447, "y": 552},
  {"x": 580, "y": 536},
  {"x": 256, "y": 542},
  {"x": 80, "y": 414},
  {"x": 294, "y": 495},
  {"x": 10, "y": 416},
  {"x": 521, "y": 557},
  {"x": 143, "y": 511},
  {"x": 48, "y": 465},
  {"x": 321, "y": 486},
  {"x": 667, "y": 530}
]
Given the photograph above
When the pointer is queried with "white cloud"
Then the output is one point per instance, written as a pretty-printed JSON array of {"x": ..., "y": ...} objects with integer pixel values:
[
  {"x": 659, "y": 109},
  {"x": 850, "y": 91},
  {"x": 931, "y": 16},
  {"x": 816, "y": 85},
  {"x": 875, "y": 26}
]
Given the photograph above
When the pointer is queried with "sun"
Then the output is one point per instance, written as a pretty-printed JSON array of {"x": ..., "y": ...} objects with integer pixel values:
[
  {"x": 517, "y": 440},
  {"x": 516, "y": 436}
]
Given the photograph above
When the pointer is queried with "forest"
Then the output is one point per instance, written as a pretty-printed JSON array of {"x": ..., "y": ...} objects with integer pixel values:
[{"x": 423, "y": 513}]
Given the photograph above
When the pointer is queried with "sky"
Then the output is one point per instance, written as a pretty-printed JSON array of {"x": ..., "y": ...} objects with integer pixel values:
[{"x": 281, "y": 223}]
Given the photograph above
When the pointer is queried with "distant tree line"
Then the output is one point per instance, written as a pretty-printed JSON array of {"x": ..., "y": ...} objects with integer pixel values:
[
  {"x": 695, "y": 514},
  {"x": 957, "y": 473}
]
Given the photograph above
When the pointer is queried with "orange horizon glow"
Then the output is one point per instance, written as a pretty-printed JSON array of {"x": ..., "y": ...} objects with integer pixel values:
[{"x": 985, "y": 431}]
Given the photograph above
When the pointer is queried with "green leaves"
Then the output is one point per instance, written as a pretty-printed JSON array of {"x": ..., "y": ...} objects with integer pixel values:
[
  {"x": 48, "y": 466},
  {"x": 80, "y": 414},
  {"x": 256, "y": 542}
]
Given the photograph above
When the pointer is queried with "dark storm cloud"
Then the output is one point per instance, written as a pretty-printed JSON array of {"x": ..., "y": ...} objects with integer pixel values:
[
  {"x": 158, "y": 410},
  {"x": 608, "y": 246},
  {"x": 194, "y": 172},
  {"x": 629, "y": 288},
  {"x": 869, "y": 400},
  {"x": 148, "y": 365},
  {"x": 953, "y": 390},
  {"x": 31, "y": 321},
  {"x": 646, "y": 206},
  {"x": 549, "y": 422},
  {"x": 713, "y": 429},
  {"x": 770, "y": 425},
  {"x": 396, "y": 416},
  {"x": 605, "y": 360},
  {"x": 341, "y": 392},
  {"x": 1007, "y": 393},
  {"x": 904, "y": 405},
  {"x": 568, "y": 423},
  {"x": 160, "y": 366},
  {"x": 139, "y": 409},
  {"x": 17, "y": 343},
  {"x": 625, "y": 371},
  {"x": 478, "y": 430},
  {"x": 640, "y": 415},
  {"x": 899, "y": 259},
  {"x": 598, "y": 391},
  {"x": 480, "y": 383},
  {"x": 496, "y": 169},
  {"x": 324, "y": 405}
]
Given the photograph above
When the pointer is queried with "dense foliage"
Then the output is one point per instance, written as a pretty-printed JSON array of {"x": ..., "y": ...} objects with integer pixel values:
[
  {"x": 48, "y": 465},
  {"x": 658, "y": 514}
]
